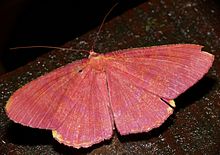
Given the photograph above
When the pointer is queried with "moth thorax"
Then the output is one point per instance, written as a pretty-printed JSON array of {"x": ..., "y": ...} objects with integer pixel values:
[{"x": 97, "y": 62}]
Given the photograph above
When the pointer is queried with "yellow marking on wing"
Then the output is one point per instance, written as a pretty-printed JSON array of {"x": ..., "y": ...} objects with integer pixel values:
[
  {"x": 172, "y": 103},
  {"x": 8, "y": 105},
  {"x": 57, "y": 136}
]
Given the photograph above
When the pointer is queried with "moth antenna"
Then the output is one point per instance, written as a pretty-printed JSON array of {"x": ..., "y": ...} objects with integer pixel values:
[
  {"x": 50, "y": 47},
  {"x": 71, "y": 49},
  {"x": 100, "y": 27}
]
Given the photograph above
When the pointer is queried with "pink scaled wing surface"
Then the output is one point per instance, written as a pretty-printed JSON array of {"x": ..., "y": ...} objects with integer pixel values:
[
  {"x": 140, "y": 80},
  {"x": 72, "y": 101}
]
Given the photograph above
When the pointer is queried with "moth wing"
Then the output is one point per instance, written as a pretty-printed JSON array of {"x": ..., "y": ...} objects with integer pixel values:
[
  {"x": 36, "y": 103},
  {"x": 89, "y": 120},
  {"x": 134, "y": 109},
  {"x": 72, "y": 101},
  {"x": 167, "y": 70},
  {"x": 141, "y": 80}
]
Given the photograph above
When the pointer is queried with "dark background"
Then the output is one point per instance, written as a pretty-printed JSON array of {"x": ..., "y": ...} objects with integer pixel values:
[{"x": 48, "y": 22}]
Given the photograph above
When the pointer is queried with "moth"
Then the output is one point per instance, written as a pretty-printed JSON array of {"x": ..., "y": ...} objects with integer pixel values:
[{"x": 129, "y": 90}]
